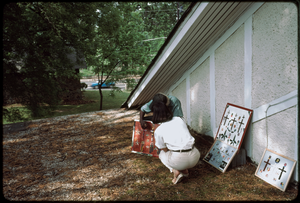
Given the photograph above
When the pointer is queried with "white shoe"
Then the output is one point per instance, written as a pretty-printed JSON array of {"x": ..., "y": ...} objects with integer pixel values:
[{"x": 179, "y": 178}]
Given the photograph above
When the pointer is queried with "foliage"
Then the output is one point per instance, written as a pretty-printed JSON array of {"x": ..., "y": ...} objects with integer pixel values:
[
  {"x": 123, "y": 43},
  {"x": 160, "y": 18},
  {"x": 86, "y": 72},
  {"x": 120, "y": 52},
  {"x": 112, "y": 36},
  {"x": 12, "y": 114},
  {"x": 37, "y": 36}
]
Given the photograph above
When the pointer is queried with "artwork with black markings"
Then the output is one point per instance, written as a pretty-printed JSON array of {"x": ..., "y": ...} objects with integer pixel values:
[
  {"x": 229, "y": 136},
  {"x": 275, "y": 169}
]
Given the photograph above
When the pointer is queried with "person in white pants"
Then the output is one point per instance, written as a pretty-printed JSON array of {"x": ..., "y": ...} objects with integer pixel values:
[{"x": 178, "y": 152}]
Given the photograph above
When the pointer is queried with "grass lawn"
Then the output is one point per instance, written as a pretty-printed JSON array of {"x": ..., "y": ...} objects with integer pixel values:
[{"x": 109, "y": 102}]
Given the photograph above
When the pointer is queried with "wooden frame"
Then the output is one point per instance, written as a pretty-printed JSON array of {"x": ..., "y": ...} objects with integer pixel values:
[
  {"x": 229, "y": 137},
  {"x": 275, "y": 169},
  {"x": 143, "y": 140},
  {"x": 231, "y": 130}
]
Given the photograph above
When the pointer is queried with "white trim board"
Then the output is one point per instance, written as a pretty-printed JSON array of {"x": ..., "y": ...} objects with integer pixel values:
[
  {"x": 275, "y": 106},
  {"x": 188, "y": 100},
  {"x": 247, "y": 144},
  {"x": 248, "y": 62},
  {"x": 212, "y": 90}
]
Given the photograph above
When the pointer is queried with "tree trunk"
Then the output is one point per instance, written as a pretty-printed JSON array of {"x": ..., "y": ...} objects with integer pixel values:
[
  {"x": 101, "y": 96},
  {"x": 100, "y": 91}
]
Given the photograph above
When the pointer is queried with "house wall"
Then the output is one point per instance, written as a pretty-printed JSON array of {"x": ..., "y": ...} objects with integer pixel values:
[
  {"x": 275, "y": 38},
  {"x": 180, "y": 93},
  {"x": 274, "y": 75},
  {"x": 199, "y": 98},
  {"x": 254, "y": 64},
  {"x": 229, "y": 73}
]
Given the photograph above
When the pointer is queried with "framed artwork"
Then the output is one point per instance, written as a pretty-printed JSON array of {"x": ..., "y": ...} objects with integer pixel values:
[
  {"x": 229, "y": 137},
  {"x": 275, "y": 169},
  {"x": 233, "y": 125},
  {"x": 220, "y": 155},
  {"x": 143, "y": 141}
]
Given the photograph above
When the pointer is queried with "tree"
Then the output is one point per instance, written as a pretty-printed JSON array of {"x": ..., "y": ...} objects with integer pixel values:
[
  {"x": 37, "y": 36},
  {"x": 160, "y": 18},
  {"x": 120, "y": 50}
]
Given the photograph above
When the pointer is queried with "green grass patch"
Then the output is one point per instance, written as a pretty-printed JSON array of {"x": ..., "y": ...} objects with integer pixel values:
[{"x": 109, "y": 102}]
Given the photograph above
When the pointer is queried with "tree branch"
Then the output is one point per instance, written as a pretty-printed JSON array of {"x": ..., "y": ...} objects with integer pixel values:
[
  {"x": 111, "y": 71},
  {"x": 47, "y": 18}
]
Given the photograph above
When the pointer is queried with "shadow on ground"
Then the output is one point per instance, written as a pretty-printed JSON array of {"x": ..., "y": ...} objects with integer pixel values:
[{"x": 88, "y": 157}]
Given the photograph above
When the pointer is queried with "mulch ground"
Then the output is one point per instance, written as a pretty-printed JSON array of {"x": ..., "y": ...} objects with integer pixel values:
[{"x": 88, "y": 157}]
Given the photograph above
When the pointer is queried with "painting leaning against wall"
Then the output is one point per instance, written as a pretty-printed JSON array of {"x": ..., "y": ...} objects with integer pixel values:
[
  {"x": 275, "y": 169},
  {"x": 229, "y": 137}
]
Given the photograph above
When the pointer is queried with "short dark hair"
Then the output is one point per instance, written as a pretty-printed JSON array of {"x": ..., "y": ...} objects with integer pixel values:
[
  {"x": 158, "y": 98},
  {"x": 161, "y": 112}
]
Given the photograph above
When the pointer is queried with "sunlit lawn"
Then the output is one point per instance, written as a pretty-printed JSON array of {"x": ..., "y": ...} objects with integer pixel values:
[{"x": 109, "y": 102}]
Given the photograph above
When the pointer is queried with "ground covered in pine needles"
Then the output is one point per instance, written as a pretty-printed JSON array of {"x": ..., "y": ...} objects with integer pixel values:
[{"x": 88, "y": 157}]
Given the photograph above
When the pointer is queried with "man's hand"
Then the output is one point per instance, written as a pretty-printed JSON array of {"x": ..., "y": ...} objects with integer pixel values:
[{"x": 143, "y": 123}]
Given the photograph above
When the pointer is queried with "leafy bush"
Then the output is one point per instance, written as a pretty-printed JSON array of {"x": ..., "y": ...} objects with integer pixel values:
[{"x": 12, "y": 114}]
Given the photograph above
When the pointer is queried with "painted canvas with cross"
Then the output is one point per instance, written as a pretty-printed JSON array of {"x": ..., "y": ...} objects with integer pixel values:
[
  {"x": 275, "y": 169},
  {"x": 229, "y": 136}
]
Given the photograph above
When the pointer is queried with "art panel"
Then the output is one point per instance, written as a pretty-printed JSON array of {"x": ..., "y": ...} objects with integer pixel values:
[
  {"x": 275, "y": 169},
  {"x": 233, "y": 125},
  {"x": 220, "y": 155},
  {"x": 229, "y": 136},
  {"x": 143, "y": 141}
]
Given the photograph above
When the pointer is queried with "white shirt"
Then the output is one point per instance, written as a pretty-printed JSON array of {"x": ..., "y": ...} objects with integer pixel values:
[{"x": 174, "y": 135}]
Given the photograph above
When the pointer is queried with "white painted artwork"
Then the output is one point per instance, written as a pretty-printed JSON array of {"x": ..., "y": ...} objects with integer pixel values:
[
  {"x": 229, "y": 137},
  {"x": 275, "y": 169},
  {"x": 233, "y": 125}
]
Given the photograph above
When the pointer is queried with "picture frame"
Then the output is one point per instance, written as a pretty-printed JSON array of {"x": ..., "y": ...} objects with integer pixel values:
[
  {"x": 233, "y": 125},
  {"x": 143, "y": 140},
  {"x": 220, "y": 155},
  {"x": 275, "y": 169},
  {"x": 229, "y": 137}
]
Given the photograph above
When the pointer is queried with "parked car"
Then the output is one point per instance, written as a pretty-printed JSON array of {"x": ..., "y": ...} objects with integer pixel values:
[{"x": 109, "y": 84}]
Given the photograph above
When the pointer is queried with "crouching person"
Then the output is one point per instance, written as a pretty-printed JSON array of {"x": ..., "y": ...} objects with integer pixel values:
[
  {"x": 178, "y": 152},
  {"x": 171, "y": 102}
]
